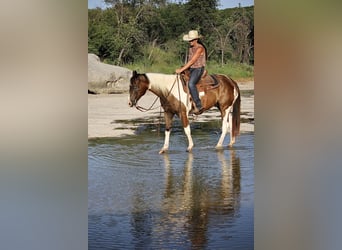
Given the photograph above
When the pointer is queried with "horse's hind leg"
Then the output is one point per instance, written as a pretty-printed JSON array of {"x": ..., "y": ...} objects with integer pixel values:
[
  {"x": 232, "y": 136},
  {"x": 224, "y": 115}
]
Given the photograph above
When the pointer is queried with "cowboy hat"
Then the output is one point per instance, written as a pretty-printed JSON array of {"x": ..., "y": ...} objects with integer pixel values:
[{"x": 193, "y": 34}]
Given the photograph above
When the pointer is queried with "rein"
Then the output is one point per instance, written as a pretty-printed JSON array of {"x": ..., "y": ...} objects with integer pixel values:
[{"x": 142, "y": 109}]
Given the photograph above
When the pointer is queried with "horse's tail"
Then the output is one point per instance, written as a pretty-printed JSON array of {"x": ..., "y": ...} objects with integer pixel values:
[{"x": 236, "y": 109}]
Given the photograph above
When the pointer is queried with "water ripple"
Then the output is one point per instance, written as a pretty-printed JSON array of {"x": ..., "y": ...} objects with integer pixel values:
[{"x": 139, "y": 199}]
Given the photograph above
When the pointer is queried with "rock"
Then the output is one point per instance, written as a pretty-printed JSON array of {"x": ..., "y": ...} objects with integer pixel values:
[{"x": 106, "y": 78}]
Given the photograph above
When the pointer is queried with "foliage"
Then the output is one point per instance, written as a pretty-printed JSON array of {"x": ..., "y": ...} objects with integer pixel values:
[
  {"x": 148, "y": 34},
  {"x": 200, "y": 14}
]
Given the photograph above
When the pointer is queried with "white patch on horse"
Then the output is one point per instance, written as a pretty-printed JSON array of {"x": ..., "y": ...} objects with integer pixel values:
[
  {"x": 187, "y": 131},
  {"x": 224, "y": 127},
  {"x": 168, "y": 84},
  {"x": 236, "y": 94}
]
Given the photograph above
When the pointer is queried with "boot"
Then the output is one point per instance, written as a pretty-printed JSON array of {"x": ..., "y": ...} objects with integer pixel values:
[{"x": 197, "y": 111}]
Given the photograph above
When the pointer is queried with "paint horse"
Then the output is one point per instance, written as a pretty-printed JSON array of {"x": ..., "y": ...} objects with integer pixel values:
[{"x": 175, "y": 101}]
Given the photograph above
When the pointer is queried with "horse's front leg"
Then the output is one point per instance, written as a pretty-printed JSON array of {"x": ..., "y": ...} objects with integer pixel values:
[
  {"x": 187, "y": 130},
  {"x": 188, "y": 135},
  {"x": 168, "y": 123}
]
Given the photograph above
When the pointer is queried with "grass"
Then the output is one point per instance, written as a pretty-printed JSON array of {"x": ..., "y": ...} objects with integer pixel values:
[{"x": 237, "y": 71}]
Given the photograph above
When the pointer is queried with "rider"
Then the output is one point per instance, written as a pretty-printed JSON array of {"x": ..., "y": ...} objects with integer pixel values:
[{"x": 196, "y": 63}]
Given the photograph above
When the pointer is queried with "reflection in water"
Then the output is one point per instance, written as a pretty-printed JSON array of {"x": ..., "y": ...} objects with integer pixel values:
[
  {"x": 141, "y": 221},
  {"x": 141, "y": 200},
  {"x": 188, "y": 206},
  {"x": 230, "y": 185}
]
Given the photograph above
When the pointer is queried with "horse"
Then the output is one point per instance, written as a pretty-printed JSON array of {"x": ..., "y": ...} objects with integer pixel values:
[{"x": 175, "y": 101}]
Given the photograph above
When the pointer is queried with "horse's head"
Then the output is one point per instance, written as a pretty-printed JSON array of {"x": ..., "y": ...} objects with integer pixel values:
[{"x": 137, "y": 88}]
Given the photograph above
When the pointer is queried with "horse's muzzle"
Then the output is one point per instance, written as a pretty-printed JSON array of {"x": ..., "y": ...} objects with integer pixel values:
[{"x": 132, "y": 103}]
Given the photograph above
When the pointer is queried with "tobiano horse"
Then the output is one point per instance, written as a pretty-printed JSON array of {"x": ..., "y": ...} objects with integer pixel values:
[{"x": 175, "y": 101}]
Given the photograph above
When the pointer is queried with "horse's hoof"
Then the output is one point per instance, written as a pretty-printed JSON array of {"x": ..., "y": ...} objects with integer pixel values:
[
  {"x": 218, "y": 147},
  {"x": 162, "y": 151},
  {"x": 189, "y": 150}
]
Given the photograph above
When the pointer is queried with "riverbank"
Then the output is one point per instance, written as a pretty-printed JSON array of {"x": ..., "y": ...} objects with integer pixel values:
[{"x": 110, "y": 115}]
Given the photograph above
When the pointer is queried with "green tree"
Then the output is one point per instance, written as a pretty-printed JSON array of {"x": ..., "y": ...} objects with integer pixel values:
[
  {"x": 124, "y": 31},
  {"x": 222, "y": 31},
  {"x": 150, "y": 31},
  {"x": 99, "y": 34},
  {"x": 200, "y": 13},
  {"x": 243, "y": 35},
  {"x": 233, "y": 35}
]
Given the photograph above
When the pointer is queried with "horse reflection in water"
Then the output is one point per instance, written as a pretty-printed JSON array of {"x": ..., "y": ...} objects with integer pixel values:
[{"x": 191, "y": 203}]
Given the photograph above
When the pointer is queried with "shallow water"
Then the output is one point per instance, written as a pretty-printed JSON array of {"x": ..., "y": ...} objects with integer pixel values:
[{"x": 139, "y": 199}]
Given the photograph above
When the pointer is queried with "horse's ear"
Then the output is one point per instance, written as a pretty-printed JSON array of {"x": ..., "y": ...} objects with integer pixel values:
[{"x": 134, "y": 73}]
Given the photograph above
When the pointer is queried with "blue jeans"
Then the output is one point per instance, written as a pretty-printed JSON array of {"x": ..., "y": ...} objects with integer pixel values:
[{"x": 195, "y": 76}]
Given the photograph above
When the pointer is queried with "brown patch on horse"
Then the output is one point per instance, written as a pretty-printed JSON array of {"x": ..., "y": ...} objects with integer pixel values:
[
  {"x": 206, "y": 83},
  {"x": 236, "y": 107},
  {"x": 139, "y": 84},
  {"x": 172, "y": 105}
]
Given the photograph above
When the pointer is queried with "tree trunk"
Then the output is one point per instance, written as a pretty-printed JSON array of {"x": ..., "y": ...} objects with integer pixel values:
[
  {"x": 153, "y": 45},
  {"x": 120, "y": 56}
]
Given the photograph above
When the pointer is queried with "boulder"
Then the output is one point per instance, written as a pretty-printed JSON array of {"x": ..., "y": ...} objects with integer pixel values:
[{"x": 106, "y": 78}]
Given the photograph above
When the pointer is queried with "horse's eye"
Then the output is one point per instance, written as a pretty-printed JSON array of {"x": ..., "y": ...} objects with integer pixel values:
[{"x": 134, "y": 87}]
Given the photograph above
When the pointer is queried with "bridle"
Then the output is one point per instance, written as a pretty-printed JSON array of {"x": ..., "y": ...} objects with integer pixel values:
[{"x": 142, "y": 109}]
